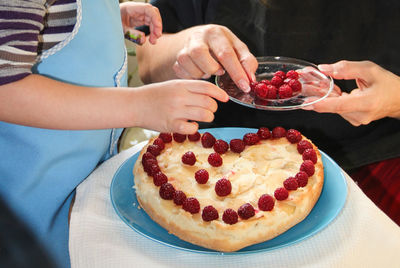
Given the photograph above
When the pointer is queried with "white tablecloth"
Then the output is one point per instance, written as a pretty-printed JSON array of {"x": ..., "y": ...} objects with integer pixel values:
[{"x": 360, "y": 236}]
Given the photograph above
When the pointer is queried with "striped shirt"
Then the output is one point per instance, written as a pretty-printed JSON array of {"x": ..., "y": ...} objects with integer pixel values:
[{"x": 27, "y": 29}]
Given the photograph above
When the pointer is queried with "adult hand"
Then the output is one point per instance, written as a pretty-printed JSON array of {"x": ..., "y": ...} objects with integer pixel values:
[
  {"x": 377, "y": 94},
  {"x": 211, "y": 49},
  {"x": 174, "y": 105},
  {"x": 135, "y": 14}
]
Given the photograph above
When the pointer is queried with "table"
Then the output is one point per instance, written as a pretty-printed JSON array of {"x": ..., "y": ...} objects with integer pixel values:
[{"x": 360, "y": 236}]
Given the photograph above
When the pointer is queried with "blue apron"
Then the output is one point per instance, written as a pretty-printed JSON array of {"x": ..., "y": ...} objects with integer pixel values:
[{"x": 40, "y": 168}]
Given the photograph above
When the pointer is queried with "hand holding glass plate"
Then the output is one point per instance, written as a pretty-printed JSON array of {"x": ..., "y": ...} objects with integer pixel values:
[{"x": 315, "y": 85}]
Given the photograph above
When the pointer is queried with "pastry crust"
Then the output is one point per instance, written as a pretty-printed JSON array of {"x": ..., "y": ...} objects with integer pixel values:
[{"x": 259, "y": 169}]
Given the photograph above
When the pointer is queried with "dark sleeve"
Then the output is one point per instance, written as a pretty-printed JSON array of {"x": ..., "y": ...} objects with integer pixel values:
[
  {"x": 18, "y": 247},
  {"x": 178, "y": 15}
]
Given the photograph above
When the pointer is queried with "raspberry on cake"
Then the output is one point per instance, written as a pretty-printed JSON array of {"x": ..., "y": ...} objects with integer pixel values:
[{"x": 226, "y": 197}]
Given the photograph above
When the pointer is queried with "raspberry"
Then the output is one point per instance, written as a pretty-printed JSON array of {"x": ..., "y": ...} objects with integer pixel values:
[
  {"x": 146, "y": 156},
  {"x": 223, "y": 187},
  {"x": 159, "y": 178},
  {"x": 160, "y": 143},
  {"x": 278, "y": 132},
  {"x": 166, "y": 137},
  {"x": 179, "y": 137},
  {"x": 290, "y": 184},
  {"x": 201, "y": 176},
  {"x": 293, "y": 136},
  {"x": 272, "y": 92},
  {"x": 281, "y": 194},
  {"x": 191, "y": 205},
  {"x": 303, "y": 145},
  {"x": 308, "y": 167},
  {"x": 281, "y": 74},
  {"x": 251, "y": 138},
  {"x": 179, "y": 197},
  {"x": 167, "y": 191},
  {"x": 207, "y": 140},
  {"x": 276, "y": 81},
  {"x": 209, "y": 213},
  {"x": 261, "y": 90},
  {"x": 221, "y": 146},
  {"x": 302, "y": 178},
  {"x": 189, "y": 158},
  {"x": 215, "y": 160},
  {"x": 285, "y": 91},
  {"x": 148, "y": 163},
  {"x": 266, "y": 202},
  {"x": 292, "y": 74},
  {"x": 194, "y": 137},
  {"x": 153, "y": 169},
  {"x": 246, "y": 211},
  {"x": 264, "y": 133},
  {"x": 310, "y": 154},
  {"x": 253, "y": 85},
  {"x": 236, "y": 145},
  {"x": 267, "y": 82},
  {"x": 295, "y": 85},
  {"x": 154, "y": 149},
  {"x": 230, "y": 216}
]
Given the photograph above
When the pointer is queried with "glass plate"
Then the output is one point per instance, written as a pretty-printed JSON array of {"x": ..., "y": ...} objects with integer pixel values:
[
  {"x": 330, "y": 203},
  {"x": 315, "y": 85}
]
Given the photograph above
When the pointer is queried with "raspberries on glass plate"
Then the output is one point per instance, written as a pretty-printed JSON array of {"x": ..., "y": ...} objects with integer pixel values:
[
  {"x": 251, "y": 138},
  {"x": 179, "y": 137},
  {"x": 281, "y": 194},
  {"x": 201, "y": 176},
  {"x": 281, "y": 86},
  {"x": 167, "y": 191},
  {"x": 230, "y": 216},
  {"x": 292, "y": 74},
  {"x": 189, "y": 158},
  {"x": 215, "y": 160},
  {"x": 223, "y": 187},
  {"x": 246, "y": 211},
  {"x": 221, "y": 146},
  {"x": 293, "y": 136},
  {"x": 191, "y": 205},
  {"x": 266, "y": 202},
  {"x": 285, "y": 91},
  {"x": 207, "y": 140},
  {"x": 237, "y": 145},
  {"x": 209, "y": 213}
]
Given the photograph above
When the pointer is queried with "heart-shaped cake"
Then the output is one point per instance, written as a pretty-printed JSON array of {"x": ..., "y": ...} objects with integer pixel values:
[{"x": 226, "y": 195}]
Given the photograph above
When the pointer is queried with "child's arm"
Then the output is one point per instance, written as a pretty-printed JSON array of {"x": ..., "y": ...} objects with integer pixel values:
[
  {"x": 135, "y": 14},
  {"x": 41, "y": 102}
]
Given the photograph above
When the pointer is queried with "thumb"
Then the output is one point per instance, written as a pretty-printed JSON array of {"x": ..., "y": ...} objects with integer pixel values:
[{"x": 349, "y": 70}]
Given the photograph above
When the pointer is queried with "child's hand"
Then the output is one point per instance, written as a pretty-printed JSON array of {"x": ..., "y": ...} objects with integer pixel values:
[
  {"x": 135, "y": 14},
  {"x": 171, "y": 106}
]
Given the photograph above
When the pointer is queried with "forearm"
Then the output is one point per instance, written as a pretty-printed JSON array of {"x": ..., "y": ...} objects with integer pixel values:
[
  {"x": 41, "y": 102},
  {"x": 156, "y": 61}
]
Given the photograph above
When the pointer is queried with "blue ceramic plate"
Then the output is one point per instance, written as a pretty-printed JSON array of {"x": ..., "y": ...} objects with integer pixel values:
[{"x": 330, "y": 203}]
